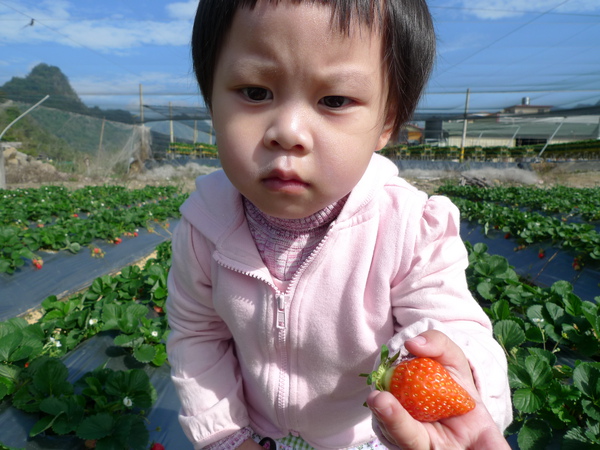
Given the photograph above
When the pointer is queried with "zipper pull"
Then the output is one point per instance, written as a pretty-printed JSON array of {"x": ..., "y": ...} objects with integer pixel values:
[{"x": 281, "y": 311}]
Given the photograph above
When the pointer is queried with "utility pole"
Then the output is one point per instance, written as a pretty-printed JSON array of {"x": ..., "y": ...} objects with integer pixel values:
[{"x": 464, "y": 133}]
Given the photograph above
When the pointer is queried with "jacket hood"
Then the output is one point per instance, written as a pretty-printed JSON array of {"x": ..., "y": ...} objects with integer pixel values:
[{"x": 215, "y": 195}]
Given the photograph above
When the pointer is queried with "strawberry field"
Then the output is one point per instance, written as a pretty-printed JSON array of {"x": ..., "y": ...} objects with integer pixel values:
[{"x": 83, "y": 327}]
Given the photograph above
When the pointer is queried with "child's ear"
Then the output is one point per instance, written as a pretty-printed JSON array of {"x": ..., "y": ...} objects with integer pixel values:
[{"x": 386, "y": 132}]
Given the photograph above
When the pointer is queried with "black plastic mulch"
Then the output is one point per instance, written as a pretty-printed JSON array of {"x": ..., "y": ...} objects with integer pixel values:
[{"x": 65, "y": 273}]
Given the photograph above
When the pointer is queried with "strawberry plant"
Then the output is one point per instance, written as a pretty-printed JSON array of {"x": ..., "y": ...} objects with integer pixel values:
[
  {"x": 12, "y": 251},
  {"x": 103, "y": 405},
  {"x": 60, "y": 220},
  {"x": 537, "y": 326},
  {"x": 529, "y": 228},
  {"x": 19, "y": 344}
]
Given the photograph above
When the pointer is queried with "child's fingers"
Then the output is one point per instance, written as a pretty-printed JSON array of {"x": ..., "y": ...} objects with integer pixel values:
[
  {"x": 396, "y": 423},
  {"x": 436, "y": 345}
]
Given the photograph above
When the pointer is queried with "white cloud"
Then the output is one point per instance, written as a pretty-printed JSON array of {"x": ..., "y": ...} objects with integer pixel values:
[
  {"x": 53, "y": 24},
  {"x": 499, "y": 9},
  {"x": 182, "y": 10}
]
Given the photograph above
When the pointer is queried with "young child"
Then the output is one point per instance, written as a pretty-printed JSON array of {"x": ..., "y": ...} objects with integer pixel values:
[{"x": 293, "y": 265}]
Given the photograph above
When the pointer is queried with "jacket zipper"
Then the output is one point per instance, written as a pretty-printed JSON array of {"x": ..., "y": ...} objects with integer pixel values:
[{"x": 281, "y": 327}]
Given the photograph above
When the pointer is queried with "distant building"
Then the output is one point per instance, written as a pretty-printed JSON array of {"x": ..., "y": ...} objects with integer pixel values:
[{"x": 526, "y": 108}]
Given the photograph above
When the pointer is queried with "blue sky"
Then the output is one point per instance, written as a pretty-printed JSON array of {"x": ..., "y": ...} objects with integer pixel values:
[{"x": 502, "y": 50}]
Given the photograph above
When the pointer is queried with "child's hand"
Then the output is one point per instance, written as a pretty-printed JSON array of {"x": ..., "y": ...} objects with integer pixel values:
[{"x": 473, "y": 430}]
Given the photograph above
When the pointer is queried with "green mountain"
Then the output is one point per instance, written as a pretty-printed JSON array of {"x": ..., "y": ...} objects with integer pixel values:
[
  {"x": 49, "y": 80},
  {"x": 63, "y": 127}
]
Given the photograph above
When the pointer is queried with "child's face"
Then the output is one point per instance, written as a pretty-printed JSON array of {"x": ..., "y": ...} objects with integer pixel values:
[{"x": 298, "y": 107}]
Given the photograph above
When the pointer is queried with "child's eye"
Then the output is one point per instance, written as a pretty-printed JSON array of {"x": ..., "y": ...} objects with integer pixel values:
[
  {"x": 335, "y": 101},
  {"x": 256, "y": 94}
]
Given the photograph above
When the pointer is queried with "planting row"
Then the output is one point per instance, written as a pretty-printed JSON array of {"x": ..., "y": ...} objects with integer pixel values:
[
  {"x": 552, "y": 341},
  {"x": 105, "y": 408},
  {"x": 554, "y": 393},
  {"x": 45, "y": 204},
  {"x": 586, "y": 149},
  {"x": 534, "y": 228},
  {"x": 57, "y": 227},
  {"x": 568, "y": 202}
]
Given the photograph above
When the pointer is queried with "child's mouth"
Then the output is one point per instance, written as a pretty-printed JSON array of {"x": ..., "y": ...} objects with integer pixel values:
[
  {"x": 283, "y": 181},
  {"x": 291, "y": 186}
]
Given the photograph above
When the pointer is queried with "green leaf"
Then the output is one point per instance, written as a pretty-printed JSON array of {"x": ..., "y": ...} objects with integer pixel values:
[
  {"x": 128, "y": 340},
  {"x": 535, "y": 334},
  {"x": 528, "y": 400},
  {"x": 575, "y": 439},
  {"x": 134, "y": 384},
  {"x": 546, "y": 355},
  {"x": 535, "y": 434},
  {"x": 486, "y": 290},
  {"x": 42, "y": 425},
  {"x": 500, "y": 310},
  {"x": 132, "y": 433},
  {"x": 586, "y": 377},
  {"x": 51, "y": 378},
  {"x": 144, "y": 353},
  {"x": 562, "y": 288},
  {"x": 539, "y": 370},
  {"x": 591, "y": 409},
  {"x": 161, "y": 355},
  {"x": 53, "y": 406},
  {"x": 4, "y": 389},
  {"x": 96, "y": 427},
  {"x": 518, "y": 377},
  {"x": 509, "y": 334},
  {"x": 555, "y": 313}
]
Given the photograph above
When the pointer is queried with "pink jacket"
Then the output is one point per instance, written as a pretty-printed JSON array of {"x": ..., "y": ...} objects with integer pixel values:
[{"x": 242, "y": 353}]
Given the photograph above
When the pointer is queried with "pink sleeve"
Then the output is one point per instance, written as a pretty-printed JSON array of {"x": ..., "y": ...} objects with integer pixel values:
[
  {"x": 432, "y": 293},
  {"x": 204, "y": 370}
]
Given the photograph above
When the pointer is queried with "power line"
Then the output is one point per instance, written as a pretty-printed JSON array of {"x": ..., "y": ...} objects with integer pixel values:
[
  {"x": 515, "y": 11},
  {"x": 503, "y": 37},
  {"x": 37, "y": 21}
]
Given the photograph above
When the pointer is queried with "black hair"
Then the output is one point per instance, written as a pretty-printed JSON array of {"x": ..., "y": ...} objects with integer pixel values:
[{"x": 405, "y": 25}]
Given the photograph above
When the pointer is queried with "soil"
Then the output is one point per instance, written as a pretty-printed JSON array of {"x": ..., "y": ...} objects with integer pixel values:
[{"x": 543, "y": 175}]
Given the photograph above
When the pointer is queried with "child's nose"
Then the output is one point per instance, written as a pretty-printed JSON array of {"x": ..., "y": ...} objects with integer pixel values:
[{"x": 289, "y": 129}]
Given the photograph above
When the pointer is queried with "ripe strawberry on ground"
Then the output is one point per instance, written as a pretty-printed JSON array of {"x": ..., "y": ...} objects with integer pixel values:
[
  {"x": 38, "y": 263},
  {"x": 157, "y": 446},
  {"x": 422, "y": 386}
]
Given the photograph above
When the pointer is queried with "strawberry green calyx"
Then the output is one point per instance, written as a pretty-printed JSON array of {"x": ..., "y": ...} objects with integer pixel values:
[{"x": 382, "y": 376}]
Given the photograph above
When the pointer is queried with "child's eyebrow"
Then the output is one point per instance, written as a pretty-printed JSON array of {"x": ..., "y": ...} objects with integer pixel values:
[
  {"x": 347, "y": 76},
  {"x": 244, "y": 67}
]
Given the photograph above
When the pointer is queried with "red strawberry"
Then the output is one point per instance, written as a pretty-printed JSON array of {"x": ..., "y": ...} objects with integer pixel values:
[
  {"x": 118, "y": 241},
  {"x": 158, "y": 309},
  {"x": 507, "y": 236},
  {"x": 38, "y": 263},
  {"x": 423, "y": 387},
  {"x": 157, "y": 446},
  {"x": 541, "y": 254}
]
